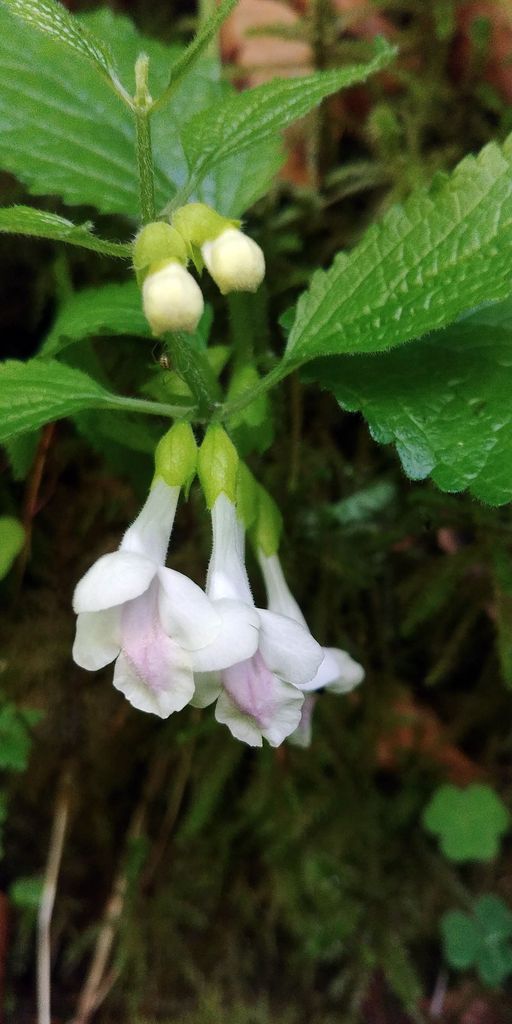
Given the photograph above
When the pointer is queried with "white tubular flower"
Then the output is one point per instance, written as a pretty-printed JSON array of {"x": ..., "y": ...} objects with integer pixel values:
[
  {"x": 258, "y": 697},
  {"x": 338, "y": 672},
  {"x": 235, "y": 261},
  {"x": 172, "y": 299},
  {"x": 153, "y": 620}
]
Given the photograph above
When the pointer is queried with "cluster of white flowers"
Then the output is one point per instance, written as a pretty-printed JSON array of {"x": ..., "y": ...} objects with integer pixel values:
[
  {"x": 171, "y": 297},
  {"x": 174, "y": 643}
]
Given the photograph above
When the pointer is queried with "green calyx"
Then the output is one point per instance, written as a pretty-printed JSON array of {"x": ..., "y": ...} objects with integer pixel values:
[
  {"x": 198, "y": 223},
  {"x": 176, "y": 456},
  {"x": 156, "y": 245},
  {"x": 246, "y": 496},
  {"x": 267, "y": 529},
  {"x": 217, "y": 466}
]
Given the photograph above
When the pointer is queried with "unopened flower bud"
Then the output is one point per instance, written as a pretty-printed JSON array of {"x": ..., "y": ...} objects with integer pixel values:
[
  {"x": 235, "y": 261},
  {"x": 172, "y": 299}
]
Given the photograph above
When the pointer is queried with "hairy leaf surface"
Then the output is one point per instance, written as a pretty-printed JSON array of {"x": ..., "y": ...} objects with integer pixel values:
[{"x": 444, "y": 252}]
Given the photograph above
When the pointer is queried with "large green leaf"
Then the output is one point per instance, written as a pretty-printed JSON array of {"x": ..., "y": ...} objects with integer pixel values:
[
  {"x": 24, "y": 220},
  {"x": 63, "y": 132},
  {"x": 111, "y": 309},
  {"x": 256, "y": 116},
  {"x": 55, "y": 21},
  {"x": 442, "y": 253},
  {"x": 445, "y": 402},
  {"x": 42, "y": 390}
]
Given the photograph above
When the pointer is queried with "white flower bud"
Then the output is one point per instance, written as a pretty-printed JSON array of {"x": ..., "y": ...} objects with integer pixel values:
[
  {"x": 235, "y": 261},
  {"x": 172, "y": 299}
]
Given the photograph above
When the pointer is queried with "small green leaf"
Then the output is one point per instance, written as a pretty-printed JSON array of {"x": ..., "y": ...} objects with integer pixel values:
[
  {"x": 480, "y": 940},
  {"x": 443, "y": 253},
  {"x": 25, "y": 893},
  {"x": 469, "y": 822},
  {"x": 25, "y": 220},
  {"x": 207, "y": 31},
  {"x": 54, "y": 21},
  {"x": 461, "y": 939},
  {"x": 12, "y": 538},
  {"x": 15, "y": 739},
  {"x": 251, "y": 118},
  {"x": 111, "y": 309},
  {"x": 443, "y": 401}
]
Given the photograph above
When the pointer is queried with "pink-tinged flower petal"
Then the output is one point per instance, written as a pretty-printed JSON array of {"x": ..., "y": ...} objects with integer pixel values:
[
  {"x": 153, "y": 671},
  {"x": 185, "y": 611},
  {"x": 208, "y": 687},
  {"x": 338, "y": 672},
  {"x": 237, "y": 639},
  {"x": 255, "y": 703},
  {"x": 288, "y": 648},
  {"x": 227, "y": 575},
  {"x": 303, "y": 733},
  {"x": 112, "y": 580},
  {"x": 280, "y": 598},
  {"x": 149, "y": 534},
  {"x": 97, "y": 639}
]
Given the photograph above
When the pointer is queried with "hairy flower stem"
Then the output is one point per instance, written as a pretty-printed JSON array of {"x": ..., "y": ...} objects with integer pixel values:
[
  {"x": 142, "y": 104},
  {"x": 193, "y": 367}
]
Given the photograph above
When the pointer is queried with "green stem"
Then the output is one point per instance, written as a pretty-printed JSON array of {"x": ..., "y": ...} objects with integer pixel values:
[
  {"x": 274, "y": 377},
  {"x": 142, "y": 106},
  {"x": 193, "y": 367},
  {"x": 151, "y": 408}
]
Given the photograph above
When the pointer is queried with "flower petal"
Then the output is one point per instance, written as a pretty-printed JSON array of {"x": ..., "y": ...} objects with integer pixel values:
[
  {"x": 303, "y": 733},
  {"x": 227, "y": 575},
  {"x": 280, "y": 598},
  {"x": 153, "y": 671},
  {"x": 338, "y": 671},
  {"x": 186, "y": 613},
  {"x": 288, "y": 648},
  {"x": 208, "y": 687},
  {"x": 149, "y": 534},
  {"x": 112, "y": 580},
  {"x": 97, "y": 639},
  {"x": 256, "y": 704},
  {"x": 236, "y": 640}
]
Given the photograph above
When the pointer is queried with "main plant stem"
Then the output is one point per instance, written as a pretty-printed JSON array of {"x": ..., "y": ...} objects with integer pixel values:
[{"x": 142, "y": 105}]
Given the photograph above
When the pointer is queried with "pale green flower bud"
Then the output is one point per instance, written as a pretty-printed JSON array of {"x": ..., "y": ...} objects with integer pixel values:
[
  {"x": 235, "y": 261},
  {"x": 171, "y": 298},
  {"x": 217, "y": 466},
  {"x": 267, "y": 530},
  {"x": 176, "y": 456},
  {"x": 156, "y": 243}
]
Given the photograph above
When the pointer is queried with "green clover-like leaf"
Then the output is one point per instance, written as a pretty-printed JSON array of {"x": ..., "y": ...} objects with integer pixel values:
[
  {"x": 469, "y": 822},
  {"x": 480, "y": 940}
]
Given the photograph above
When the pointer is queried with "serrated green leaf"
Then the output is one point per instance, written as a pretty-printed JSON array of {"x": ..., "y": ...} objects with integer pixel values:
[
  {"x": 251, "y": 118},
  {"x": 199, "y": 43},
  {"x": 62, "y": 132},
  {"x": 12, "y": 537},
  {"x": 57, "y": 23},
  {"x": 25, "y": 220},
  {"x": 111, "y": 309},
  {"x": 20, "y": 452},
  {"x": 41, "y": 391},
  {"x": 439, "y": 255},
  {"x": 444, "y": 402}
]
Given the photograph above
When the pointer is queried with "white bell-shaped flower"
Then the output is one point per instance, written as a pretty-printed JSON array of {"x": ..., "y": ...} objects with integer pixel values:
[
  {"x": 338, "y": 672},
  {"x": 153, "y": 620},
  {"x": 257, "y": 697},
  {"x": 235, "y": 261},
  {"x": 172, "y": 299}
]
